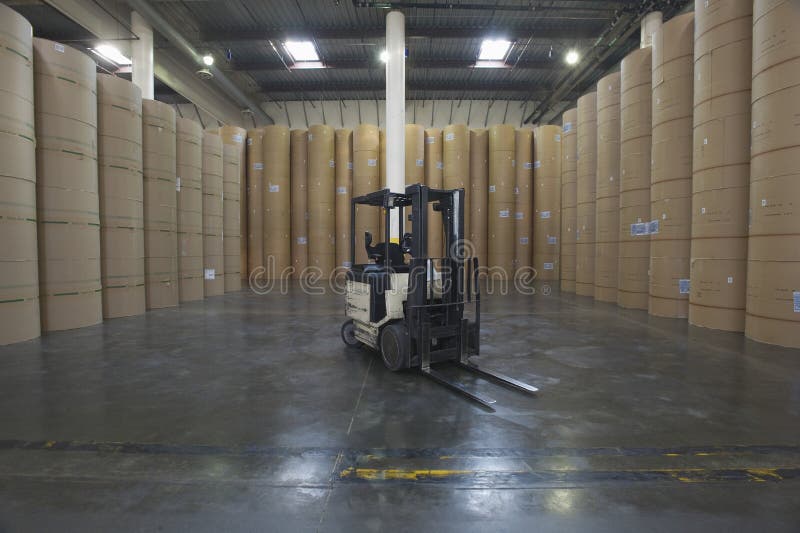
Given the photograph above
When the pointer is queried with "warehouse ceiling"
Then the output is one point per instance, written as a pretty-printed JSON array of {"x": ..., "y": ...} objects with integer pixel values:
[{"x": 247, "y": 39}]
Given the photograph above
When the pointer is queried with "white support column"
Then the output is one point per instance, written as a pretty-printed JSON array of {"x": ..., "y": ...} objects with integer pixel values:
[
  {"x": 395, "y": 107},
  {"x": 142, "y": 56}
]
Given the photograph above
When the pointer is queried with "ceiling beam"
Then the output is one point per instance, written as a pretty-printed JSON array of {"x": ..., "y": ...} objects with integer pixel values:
[
  {"x": 211, "y": 35},
  {"x": 267, "y": 66},
  {"x": 429, "y": 86}
]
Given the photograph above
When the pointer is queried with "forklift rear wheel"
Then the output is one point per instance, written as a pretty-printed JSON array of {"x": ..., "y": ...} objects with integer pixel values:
[
  {"x": 395, "y": 346},
  {"x": 349, "y": 334}
]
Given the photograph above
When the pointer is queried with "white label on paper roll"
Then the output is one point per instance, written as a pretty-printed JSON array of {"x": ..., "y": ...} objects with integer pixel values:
[
  {"x": 548, "y": 266},
  {"x": 439, "y": 165},
  {"x": 332, "y": 163},
  {"x": 349, "y": 165},
  {"x": 372, "y": 162},
  {"x": 450, "y": 137},
  {"x": 527, "y": 166},
  {"x": 513, "y": 162},
  {"x": 302, "y": 240},
  {"x": 763, "y": 202},
  {"x": 58, "y": 47},
  {"x": 567, "y": 127},
  {"x": 552, "y": 239},
  {"x": 430, "y": 140},
  {"x": 516, "y": 190},
  {"x": 796, "y": 299},
  {"x": 705, "y": 140},
  {"x": 249, "y": 141},
  {"x": 420, "y": 162},
  {"x": 274, "y": 188},
  {"x": 663, "y": 216},
  {"x": 519, "y": 215},
  {"x": 558, "y": 137},
  {"x": 730, "y": 280},
  {"x": 545, "y": 214},
  {"x": 654, "y": 227},
  {"x": 341, "y": 190},
  {"x": 523, "y": 240},
  {"x": 683, "y": 286},
  {"x": 492, "y": 188},
  {"x": 238, "y": 138},
  {"x": 505, "y": 213},
  {"x": 310, "y": 136},
  {"x": 702, "y": 210},
  {"x": 178, "y": 184},
  {"x": 640, "y": 228},
  {"x": 258, "y": 166},
  {"x": 209, "y": 273},
  {"x": 537, "y": 164}
]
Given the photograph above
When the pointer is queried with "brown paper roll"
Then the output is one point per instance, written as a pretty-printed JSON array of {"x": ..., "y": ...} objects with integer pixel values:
[
  {"x": 547, "y": 146},
  {"x": 569, "y": 197},
  {"x": 455, "y": 159},
  {"x": 585, "y": 234},
  {"x": 119, "y": 140},
  {"x": 773, "y": 295},
  {"x": 479, "y": 191},
  {"x": 231, "y": 225},
  {"x": 344, "y": 193},
  {"x": 366, "y": 179},
  {"x": 189, "y": 161},
  {"x": 235, "y": 136},
  {"x": 523, "y": 199},
  {"x": 671, "y": 171},
  {"x": 277, "y": 202},
  {"x": 213, "y": 255},
  {"x": 19, "y": 294},
  {"x": 502, "y": 180},
  {"x": 434, "y": 178},
  {"x": 322, "y": 199},
  {"x": 299, "y": 163},
  {"x": 634, "y": 186},
  {"x": 415, "y": 154}
]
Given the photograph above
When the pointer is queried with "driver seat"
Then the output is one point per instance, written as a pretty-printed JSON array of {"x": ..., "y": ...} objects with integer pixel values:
[{"x": 377, "y": 252}]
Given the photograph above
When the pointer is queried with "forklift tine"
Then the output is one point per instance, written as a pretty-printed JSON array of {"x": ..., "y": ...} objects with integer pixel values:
[
  {"x": 499, "y": 378},
  {"x": 458, "y": 387}
]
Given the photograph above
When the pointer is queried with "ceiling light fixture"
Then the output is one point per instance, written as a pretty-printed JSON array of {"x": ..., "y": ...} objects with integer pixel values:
[
  {"x": 385, "y": 56},
  {"x": 208, "y": 60},
  {"x": 301, "y": 50},
  {"x": 111, "y": 53},
  {"x": 572, "y": 57},
  {"x": 494, "y": 49}
]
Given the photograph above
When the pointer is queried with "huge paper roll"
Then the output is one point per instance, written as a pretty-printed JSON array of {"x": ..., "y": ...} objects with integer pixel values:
[
  {"x": 720, "y": 164},
  {"x": 189, "y": 162},
  {"x": 236, "y": 136},
  {"x": 479, "y": 189},
  {"x": 213, "y": 256},
  {"x": 366, "y": 179},
  {"x": 344, "y": 193},
  {"x": 569, "y": 197},
  {"x": 585, "y": 233},
  {"x": 255, "y": 200},
  {"x": 322, "y": 200},
  {"x": 502, "y": 180},
  {"x": 67, "y": 197},
  {"x": 119, "y": 146},
  {"x": 455, "y": 159},
  {"x": 546, "y": 202},
  {"x": 434, "y": 178},
  {"x": 277, "y": 202},
  {"x": 19, "y": 293},
  {"x": 231, "y": 211},
  {"x": 299, "y": 162},
  {"x": 671, "y": 172},
  {"x": 523, "y": 200}
]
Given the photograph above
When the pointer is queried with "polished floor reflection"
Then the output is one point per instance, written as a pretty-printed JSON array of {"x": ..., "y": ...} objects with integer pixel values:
[{"x": 246, "y": 412}]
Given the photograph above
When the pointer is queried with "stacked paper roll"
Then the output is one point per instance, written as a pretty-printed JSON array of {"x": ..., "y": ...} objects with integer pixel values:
[
  {"x": 255, "y": 200},
  {"x": 277, "y": 202},
  {"x": 587, "y": 181},
  {"x": 415, "y": 154},
  {"x": 479, "y": 188},
  {"x": 634, "y": 186},
  {"x": 235, "y": 136},
  {"x": 160, "y": 204},
  {"x": 231, "y": 211},
  {"x": 19, "y": 292},
  {"x": 119, "y": 147},
  {"x": 322, "y": 200},
  {"x": 502, "y": 180},
  {"x": 720, "y": 164},
  {"x": 523, "y": 200},
  {"x": 366, "y": 179},
  {"x": 455, "y": 158},
  {"x": 434, "y": 166},
  {"x": 189, "y": 161},
  {"x": 299, "y": 163},
  {"x": 383, "y": 164},
  {"x": 546, "y": 201},
  {"x": 606, "y": 259},
  {"x": 569, "y": 197},
  {"x": 344, "y": 193},
  {"x": 671, "y": 172},
  {"x": 773, "y": 290},
  {"x": 213, "y": 256}
]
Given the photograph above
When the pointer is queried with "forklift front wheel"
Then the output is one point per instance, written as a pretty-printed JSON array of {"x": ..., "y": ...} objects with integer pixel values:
[
  {"x": 349, "y": 335},
  {"x": 395, "y": 346}
]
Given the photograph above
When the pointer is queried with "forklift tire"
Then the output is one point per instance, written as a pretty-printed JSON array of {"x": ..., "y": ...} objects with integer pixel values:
[
  {"x": 395, "y": 346},
  {"x": 349, "y": 335}
]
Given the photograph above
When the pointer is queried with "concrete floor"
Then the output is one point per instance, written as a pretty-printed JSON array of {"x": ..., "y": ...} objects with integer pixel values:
[{"x": 247, "y": 413}]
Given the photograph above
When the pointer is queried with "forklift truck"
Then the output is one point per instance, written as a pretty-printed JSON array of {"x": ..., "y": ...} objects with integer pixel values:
[{"x": 413, "y": 313}]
